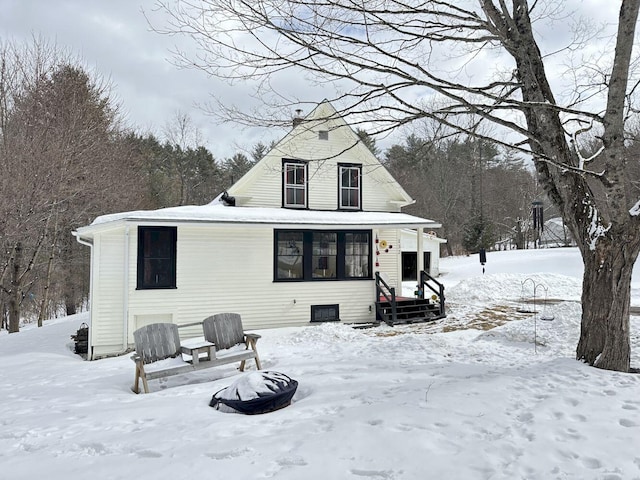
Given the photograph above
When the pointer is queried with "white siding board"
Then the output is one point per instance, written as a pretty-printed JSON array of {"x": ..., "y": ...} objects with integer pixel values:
[
  {"x": 262, "y": 302},
  {"x": 266, "y": 191},
  {"x": 390, "y": 261},
  {"x": 212, "y": 258},
  {"x": 323, "y": 184},
  {"x": 262, "y": 186},
  {"x": 107, "y": 308}
]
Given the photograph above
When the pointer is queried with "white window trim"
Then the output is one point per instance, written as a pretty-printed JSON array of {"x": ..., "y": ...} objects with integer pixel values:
[
  {"x": 294, "y": 186},
  {"x": 342, "y": 188}
]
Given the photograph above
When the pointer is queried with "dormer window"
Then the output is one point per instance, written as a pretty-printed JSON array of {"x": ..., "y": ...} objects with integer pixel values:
[
  {"x": 294, "y": 184},
  {"x": 350, "y": 191}
]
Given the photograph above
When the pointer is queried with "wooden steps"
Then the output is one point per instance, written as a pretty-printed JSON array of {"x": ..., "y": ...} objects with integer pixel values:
[{"x": 414, "y": 310}]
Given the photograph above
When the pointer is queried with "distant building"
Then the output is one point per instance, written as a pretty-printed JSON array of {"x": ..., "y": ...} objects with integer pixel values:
[{"x": 556, "y": 234}]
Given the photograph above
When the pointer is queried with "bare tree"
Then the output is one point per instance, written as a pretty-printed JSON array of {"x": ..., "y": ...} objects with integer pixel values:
[
  {"x": 25, "y": 178},
  {"x": 472, "y": 187},
  {"x": 62, "y": 163},
  {"x": 192, "y": 166},
  {"x": 386, "y": 56}
]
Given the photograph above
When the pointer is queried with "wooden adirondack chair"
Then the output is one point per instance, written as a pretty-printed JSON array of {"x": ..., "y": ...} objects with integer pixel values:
[{"x": 231, "y": 342}]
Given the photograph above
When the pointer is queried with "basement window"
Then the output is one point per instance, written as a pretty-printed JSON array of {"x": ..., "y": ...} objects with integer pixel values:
[{"x": 325, "y": 313}]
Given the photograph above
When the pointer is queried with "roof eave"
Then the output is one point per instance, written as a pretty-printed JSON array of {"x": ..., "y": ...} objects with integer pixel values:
[{"x": 91, "y": 230}]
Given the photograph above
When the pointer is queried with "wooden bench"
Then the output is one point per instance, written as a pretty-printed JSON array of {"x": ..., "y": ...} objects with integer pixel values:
[{"x": 159, "y": 352}]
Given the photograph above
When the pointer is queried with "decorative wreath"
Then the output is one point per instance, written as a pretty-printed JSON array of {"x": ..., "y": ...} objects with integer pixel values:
[{"x": 383, "y": 244}]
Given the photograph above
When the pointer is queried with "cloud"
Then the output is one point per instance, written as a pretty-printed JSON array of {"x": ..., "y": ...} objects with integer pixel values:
[{"x": 114, "y": 39}]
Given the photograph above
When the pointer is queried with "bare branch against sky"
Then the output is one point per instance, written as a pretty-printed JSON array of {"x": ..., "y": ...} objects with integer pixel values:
[{"x": 115, "y": 39}]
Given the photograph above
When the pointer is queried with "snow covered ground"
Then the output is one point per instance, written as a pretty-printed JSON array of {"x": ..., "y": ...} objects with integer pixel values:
[{"x": 455, "y": 399}]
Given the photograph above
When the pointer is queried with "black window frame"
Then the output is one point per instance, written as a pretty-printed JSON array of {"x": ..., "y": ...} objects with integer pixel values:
[
  {"x": 317, "y": 312},
  {"x": 170, "y": 260},
  {"x": 308, "y": 256},
  {"x": 341, "y": 188},
  {"x": 298, "y": 163}
]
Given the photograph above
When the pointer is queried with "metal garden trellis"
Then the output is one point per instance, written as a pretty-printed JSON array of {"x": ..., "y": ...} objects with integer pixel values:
[{"x": 543, "y": 316}]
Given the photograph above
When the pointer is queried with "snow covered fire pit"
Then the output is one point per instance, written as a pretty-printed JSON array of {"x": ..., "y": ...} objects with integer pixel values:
[{"x": 256, "y": 392}]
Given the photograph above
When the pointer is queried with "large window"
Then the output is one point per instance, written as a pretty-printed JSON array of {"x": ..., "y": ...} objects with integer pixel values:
[
  {"x": 322, "y": 255},
  {"x": 349, "y": 189},
  {"x": 294, "y": 184},
  {"x": 289, "y": 246},
  {"x": 156, "y": 257},
  {"x": 356, "y": 255}
]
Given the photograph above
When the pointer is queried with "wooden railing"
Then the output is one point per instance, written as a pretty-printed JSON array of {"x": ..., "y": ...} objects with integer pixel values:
[
  {"x": 389, "y": 294},
  {"x": 427, "y": 280}
]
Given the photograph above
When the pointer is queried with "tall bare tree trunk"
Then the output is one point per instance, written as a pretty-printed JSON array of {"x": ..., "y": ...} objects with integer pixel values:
[
  {"x": 71, "y": 275},
  {"x": 47, "y": 280},
  {"x": 15, "y": 291},
  {"x": 47, "y": 285},
  {"x": 606, "y": 294},
  {"x": 3, "y": 314}
]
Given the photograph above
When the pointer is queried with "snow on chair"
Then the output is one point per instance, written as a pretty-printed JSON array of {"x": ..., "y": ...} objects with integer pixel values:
[
  {"x": 159, "y": 350},
  {"x": 231, "y": 342}
]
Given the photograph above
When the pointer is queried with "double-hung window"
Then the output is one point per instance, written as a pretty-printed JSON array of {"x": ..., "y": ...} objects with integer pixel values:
[
  {"x": 289, "y": 255},
  {"x": 308, "y": 255},
  {"x": 294, "y": 184},
  {"x": 357, "y": 246},
  {"x": 324, "y": 254},
  {"x": 156, "y": 257},
  {"x": 350, "y": 191}
]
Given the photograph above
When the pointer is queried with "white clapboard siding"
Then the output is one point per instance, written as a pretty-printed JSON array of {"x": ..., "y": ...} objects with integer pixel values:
[
  {"x": 207, "y": 283},
  {"x": 262, "y": 185},
  {"x": 377, "y": 189},
  {"x": 107, "y": 308},
  {"x": 390, "y": 261}
]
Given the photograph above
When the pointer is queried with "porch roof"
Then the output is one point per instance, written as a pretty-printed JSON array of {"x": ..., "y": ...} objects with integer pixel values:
[{"x": 277, "y": 217}]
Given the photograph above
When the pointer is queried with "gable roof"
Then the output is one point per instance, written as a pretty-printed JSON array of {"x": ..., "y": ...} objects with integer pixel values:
[
  {"x": 325, "y": 116},
  {"x": 294, "y": 145}
]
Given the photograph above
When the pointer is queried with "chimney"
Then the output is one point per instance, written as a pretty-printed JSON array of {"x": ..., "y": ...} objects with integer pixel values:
[{"x": 297, "y": 119}]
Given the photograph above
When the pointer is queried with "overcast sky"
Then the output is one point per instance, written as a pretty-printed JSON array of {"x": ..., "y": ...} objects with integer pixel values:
[{"x": 113, "y": 38}]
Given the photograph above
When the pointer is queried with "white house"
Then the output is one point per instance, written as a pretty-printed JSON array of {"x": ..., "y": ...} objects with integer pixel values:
[{"x": 298, "y": 239}]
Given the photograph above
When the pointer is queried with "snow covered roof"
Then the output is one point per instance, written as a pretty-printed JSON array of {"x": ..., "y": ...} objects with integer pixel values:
[{"x": 218, "y": 213}]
